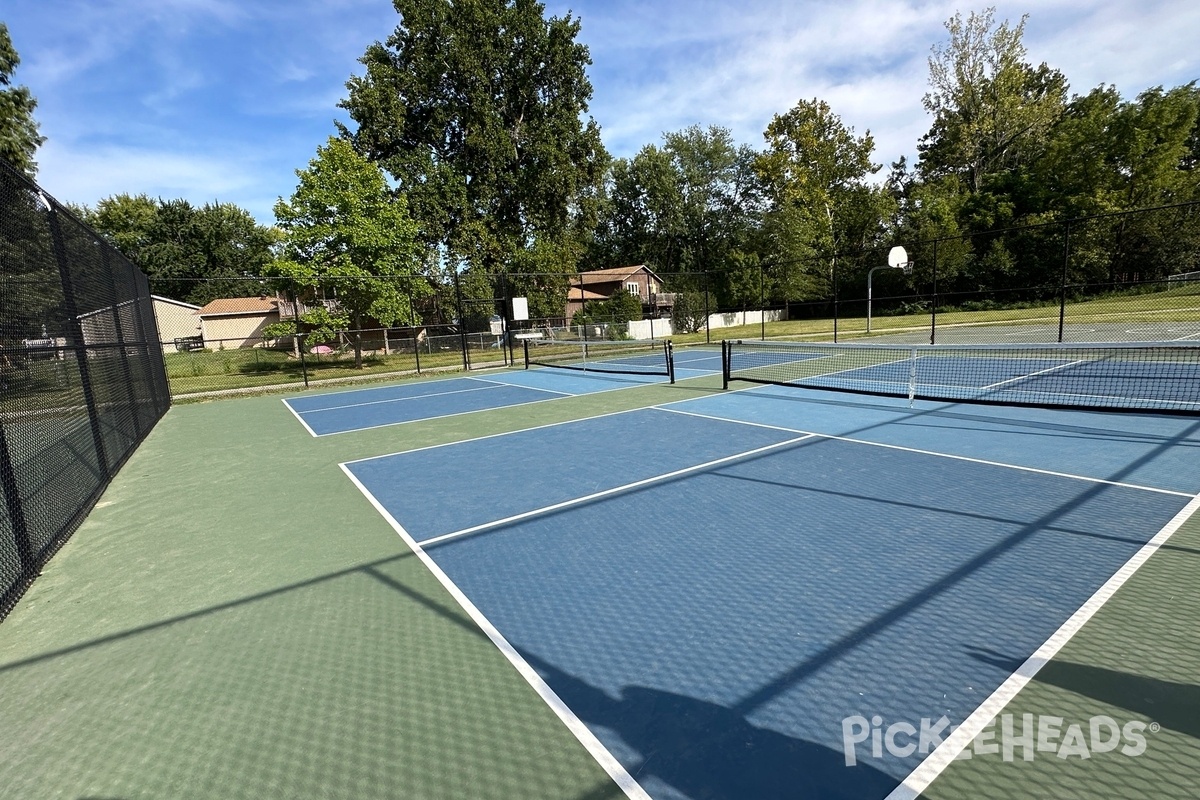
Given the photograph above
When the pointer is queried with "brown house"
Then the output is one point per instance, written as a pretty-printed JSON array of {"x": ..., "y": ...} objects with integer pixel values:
[{"x": 601, "y": 284}]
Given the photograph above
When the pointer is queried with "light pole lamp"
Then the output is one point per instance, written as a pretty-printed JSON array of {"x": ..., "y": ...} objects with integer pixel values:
[{"x": 897, "y": 259}]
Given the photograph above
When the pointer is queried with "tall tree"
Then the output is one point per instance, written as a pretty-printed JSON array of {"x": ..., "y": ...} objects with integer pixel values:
[
  {"x": 189, "y": 253},
  {"x": 687, "y": 207},
  {"x": 476, "y": 111},
  {"x": 814, "y": 170},
  {"x": 345, "y": 230},
  {"x": 19, "y": 138},
  {"x": 990, "y": 108}
]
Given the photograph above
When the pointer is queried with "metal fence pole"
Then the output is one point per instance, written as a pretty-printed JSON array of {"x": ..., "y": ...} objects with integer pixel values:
[
  {"x": 299, "y": 338},
  {"x": 1062, "y": 292},
  {"x": 147, "y": 332},
  {"x": 124, "y": 353},
  {"x": 12, "y": 502},
  {"x": 76, "y": 333},
  {"x": 834, "y": 270},
  {"x": 762, "y": 301},
  {"x": 462, "y": 321},
  {"x": 707, "y": 313},
  {"x": 933, "y": 303}
]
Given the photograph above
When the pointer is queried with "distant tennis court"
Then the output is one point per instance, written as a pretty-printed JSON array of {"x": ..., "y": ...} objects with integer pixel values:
[{"x": 552, "y": 371}]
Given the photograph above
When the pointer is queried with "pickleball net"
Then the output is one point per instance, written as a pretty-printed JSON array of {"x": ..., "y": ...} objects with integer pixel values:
[
  {"x": 1160, "y": 377},
  {"x": 639, "y": 357}
]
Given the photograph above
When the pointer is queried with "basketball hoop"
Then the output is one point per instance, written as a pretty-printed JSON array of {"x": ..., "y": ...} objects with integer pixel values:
[{"x": 897, "y": 259}]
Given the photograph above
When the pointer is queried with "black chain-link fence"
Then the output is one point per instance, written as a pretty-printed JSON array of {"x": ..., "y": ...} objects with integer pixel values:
[
  {"x": 81, "y": 375},
  {"x": 1130, "y": 276},
  {"x": 1116, "y": 277}
]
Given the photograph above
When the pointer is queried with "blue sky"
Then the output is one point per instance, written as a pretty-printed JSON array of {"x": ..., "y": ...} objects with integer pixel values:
[{"x": 224, "y": 99}]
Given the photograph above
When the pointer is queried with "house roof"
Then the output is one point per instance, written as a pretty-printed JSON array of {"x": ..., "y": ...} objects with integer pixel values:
[
  {"x": 160, "y": 299},
  {"x": 239, "y": 305},
  {"x": 576, "y": 295},
  {"x": 154, "y": 297},
  {"x": 614, "y": 274}
]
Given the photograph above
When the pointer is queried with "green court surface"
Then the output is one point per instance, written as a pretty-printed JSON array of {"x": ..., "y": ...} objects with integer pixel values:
[{"x": 234, "y": 621}]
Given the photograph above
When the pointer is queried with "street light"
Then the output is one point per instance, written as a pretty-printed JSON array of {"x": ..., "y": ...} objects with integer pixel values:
[{"x": 897, "y": 259}]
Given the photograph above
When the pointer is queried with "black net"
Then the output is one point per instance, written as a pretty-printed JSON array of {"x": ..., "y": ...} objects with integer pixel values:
[
  {"x": 82, "y": 379},
  {"x": 1140, "y": 376},
  {"x": 643, "y": 357}
]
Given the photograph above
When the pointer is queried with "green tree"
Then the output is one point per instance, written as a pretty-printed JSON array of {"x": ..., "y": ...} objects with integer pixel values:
[
  {"x": 683, "y": 207},
  {"x": 687, "y": 312},
  {"x": 189, "y": 253},
  {"x": 814, "y": 171},
  {"x": 476, "y": 110},
  {"x": 992, "y": 110},
  {"x": 345, "y": 230},
  {"x": 19, "y": 138}
]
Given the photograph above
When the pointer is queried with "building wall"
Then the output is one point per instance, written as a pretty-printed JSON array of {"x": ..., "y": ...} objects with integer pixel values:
[
  {"x": 174, "y": 322},
  {"x": 647, "y": 286},
  {"x": 236, "y": 330}
]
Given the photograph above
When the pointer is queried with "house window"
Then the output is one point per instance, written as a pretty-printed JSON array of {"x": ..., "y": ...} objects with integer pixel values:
[{"x": 634, "y": 288}]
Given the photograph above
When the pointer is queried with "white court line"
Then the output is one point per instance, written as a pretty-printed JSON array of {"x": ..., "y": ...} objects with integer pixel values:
[
  {"x": 503, "y": 433},
  {"x": 607, "y": 492},
  {"x": 489, "y": 388},
  {"x": 296, "y": 414},
  {"x": 525, "y": 386},
  {"x": 951, "y": 456},
  {"x": 936, "y": 762},
  {"x": 1032, "y": 374},
  {"x": 594, "y": 746},
  {"x": 442, "y": 416},
  {"x": 495, "y": 408}
]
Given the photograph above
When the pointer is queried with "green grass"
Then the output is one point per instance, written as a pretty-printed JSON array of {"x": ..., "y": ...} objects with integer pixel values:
[
  {"x": 1172, "y": 305},
  {"x": 205, "y": 371},
  {"x": 248, "y": 368}
]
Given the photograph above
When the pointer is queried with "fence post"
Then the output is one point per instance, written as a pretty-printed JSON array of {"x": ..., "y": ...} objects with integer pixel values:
[
  {"x": 145, "y": 311},
  {"x": 462, "y": 320},
  {"x": 707, "y": 313},
  {"x": 933, "y": 304},
  {"x": 12, "y": 501},
  {"x": 1062, "y": 289},
  {"x": 834, "y": 270},
  {"x": 76, "y": 333},
  {"x": 762, "y": 301},
  {"x": 299, "y": 339},
  {"x": 116, "y": 318}
]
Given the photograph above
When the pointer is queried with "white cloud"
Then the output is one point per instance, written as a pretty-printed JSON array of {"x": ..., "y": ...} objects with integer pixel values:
[
  {"x": 89, "y": 175},
  {"x": 225, "y": 98},
  {"x": 663, "y": 66}
]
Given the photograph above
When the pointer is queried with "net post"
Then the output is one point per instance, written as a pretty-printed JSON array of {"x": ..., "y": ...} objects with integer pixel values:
[
  {"x": 724, "y": 364},
  {"x": 525, "y": 347},
  {"x": 670, "y": 350}
]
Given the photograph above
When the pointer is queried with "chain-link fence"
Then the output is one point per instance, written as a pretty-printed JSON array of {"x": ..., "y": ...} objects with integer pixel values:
[
  {"x": 1106, "y": 278},
  {"x": 1111, "y": 278},
  {"x": 81, "y": 375}
]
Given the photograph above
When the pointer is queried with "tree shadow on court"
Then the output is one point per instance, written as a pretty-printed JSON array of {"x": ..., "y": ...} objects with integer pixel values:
[
  {"x": 1170, "y": 704},
  {"x": 707, "y": 751}
]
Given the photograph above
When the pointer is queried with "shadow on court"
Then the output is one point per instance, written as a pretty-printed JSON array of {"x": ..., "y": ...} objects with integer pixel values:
[
  {"x": 1172, "y": 704},
  {"x": 708, "y": 751}
]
